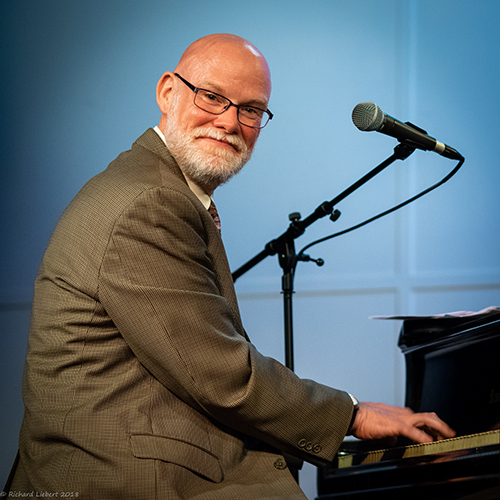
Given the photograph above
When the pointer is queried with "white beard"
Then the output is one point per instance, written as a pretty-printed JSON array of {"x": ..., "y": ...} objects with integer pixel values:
[{"x": 206, "y": 166}]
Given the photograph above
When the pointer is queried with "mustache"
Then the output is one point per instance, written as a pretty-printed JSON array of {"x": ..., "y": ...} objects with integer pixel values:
[{"x": 219, "y": 135}]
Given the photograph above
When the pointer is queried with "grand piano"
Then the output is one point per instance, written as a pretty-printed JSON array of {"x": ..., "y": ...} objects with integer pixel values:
[{"x": 452, "y": 368}]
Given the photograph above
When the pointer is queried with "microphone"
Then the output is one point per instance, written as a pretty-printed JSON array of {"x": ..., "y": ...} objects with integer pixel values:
[{"x": 368, "y": 116}]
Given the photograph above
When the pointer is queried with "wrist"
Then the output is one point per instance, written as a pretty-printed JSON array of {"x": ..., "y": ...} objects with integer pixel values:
[{"x": 355, "y": 404}]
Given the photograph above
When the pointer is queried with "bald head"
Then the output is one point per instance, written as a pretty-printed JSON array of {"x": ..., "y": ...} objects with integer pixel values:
[{"x": 209, "y": 43}]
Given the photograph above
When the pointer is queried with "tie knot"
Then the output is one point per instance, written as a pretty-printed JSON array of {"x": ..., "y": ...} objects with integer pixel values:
[{"x": 213, "y": 212}]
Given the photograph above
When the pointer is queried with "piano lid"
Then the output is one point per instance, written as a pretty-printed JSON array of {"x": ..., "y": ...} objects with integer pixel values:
[{"x": 420, "y": 330}]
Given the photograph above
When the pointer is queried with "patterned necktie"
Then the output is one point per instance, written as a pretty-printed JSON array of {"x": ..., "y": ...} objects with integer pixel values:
[{"x": 215, "y": 216}]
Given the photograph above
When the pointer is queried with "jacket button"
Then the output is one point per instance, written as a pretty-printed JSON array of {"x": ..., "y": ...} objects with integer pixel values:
[
  {"x": 302, "y": 443},
  {"x": 309, "y": 446},
  {"x": 280, "y": 464},
  {"x": 317, "y": 448}
]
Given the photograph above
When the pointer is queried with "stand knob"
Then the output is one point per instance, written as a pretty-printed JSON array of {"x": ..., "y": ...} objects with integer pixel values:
[
  {"x": 307, "y": 258},
  {"x": 335, "y": 215}
]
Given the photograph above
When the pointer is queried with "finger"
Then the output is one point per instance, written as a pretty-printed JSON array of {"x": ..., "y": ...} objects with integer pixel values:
[
  {"x": 417, "y": 434},
  {"x": 434, "y": 425}
]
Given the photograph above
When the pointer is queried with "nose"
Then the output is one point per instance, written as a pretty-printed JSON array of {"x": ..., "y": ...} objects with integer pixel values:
[{"x": 228, "y": 120}]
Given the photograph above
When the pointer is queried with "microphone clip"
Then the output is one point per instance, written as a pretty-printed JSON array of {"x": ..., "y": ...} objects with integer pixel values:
[{"x": 404, "y": 149}]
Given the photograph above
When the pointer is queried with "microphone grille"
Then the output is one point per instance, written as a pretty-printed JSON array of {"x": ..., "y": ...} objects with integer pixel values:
[{"x": 367, "y": 116}]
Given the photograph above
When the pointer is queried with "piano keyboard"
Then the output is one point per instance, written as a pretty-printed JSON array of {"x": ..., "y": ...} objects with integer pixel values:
[{"x": 419, "y": 450}]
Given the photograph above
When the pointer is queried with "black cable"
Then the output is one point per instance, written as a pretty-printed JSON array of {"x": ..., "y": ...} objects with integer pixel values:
[{"x": 387, "y": 212}]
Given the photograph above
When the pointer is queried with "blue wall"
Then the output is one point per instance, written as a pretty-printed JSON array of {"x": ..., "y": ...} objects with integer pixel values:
[{"x": 78, "y": 86}]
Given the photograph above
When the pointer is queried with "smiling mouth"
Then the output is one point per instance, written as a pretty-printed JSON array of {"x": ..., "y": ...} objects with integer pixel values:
[{"x": 220, "y": 142}]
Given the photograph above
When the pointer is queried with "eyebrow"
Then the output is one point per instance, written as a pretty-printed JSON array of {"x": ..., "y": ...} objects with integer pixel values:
[{"x": 218, "y": 89}]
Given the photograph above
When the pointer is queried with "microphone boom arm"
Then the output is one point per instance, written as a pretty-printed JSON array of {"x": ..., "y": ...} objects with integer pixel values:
[{"x": 282, "y": 245}]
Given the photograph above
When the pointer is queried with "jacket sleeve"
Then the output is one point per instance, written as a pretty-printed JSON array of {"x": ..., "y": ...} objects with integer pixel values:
[{"x": 160, "y": 282}]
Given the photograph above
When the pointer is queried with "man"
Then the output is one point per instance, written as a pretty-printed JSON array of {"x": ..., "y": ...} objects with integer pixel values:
[{"x": 140, "y": 381}]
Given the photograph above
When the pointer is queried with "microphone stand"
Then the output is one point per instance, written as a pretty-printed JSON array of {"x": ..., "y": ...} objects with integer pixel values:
[{"x": 284, "y": 245}]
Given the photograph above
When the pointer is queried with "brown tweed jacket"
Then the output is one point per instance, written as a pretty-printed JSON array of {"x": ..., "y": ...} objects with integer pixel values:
[{"x": 140, "y": 381}]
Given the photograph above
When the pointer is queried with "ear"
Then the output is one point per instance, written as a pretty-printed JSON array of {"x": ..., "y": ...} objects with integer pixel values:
[{"x": 164, "y": 90}]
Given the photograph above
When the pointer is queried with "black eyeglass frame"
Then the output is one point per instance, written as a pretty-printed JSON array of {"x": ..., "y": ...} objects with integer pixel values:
[{"x": 237, "y": 106}]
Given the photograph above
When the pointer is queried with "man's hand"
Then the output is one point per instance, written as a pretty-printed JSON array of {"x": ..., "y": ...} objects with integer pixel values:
[{"x": 378, "y": 420}]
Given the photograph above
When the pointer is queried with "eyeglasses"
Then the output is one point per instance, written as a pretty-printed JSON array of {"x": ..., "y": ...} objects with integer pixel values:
[{"x": 216, "y": 104}]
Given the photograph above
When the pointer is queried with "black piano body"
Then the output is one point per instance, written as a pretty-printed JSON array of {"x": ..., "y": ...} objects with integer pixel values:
[{"x": 452, "y": 368}]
